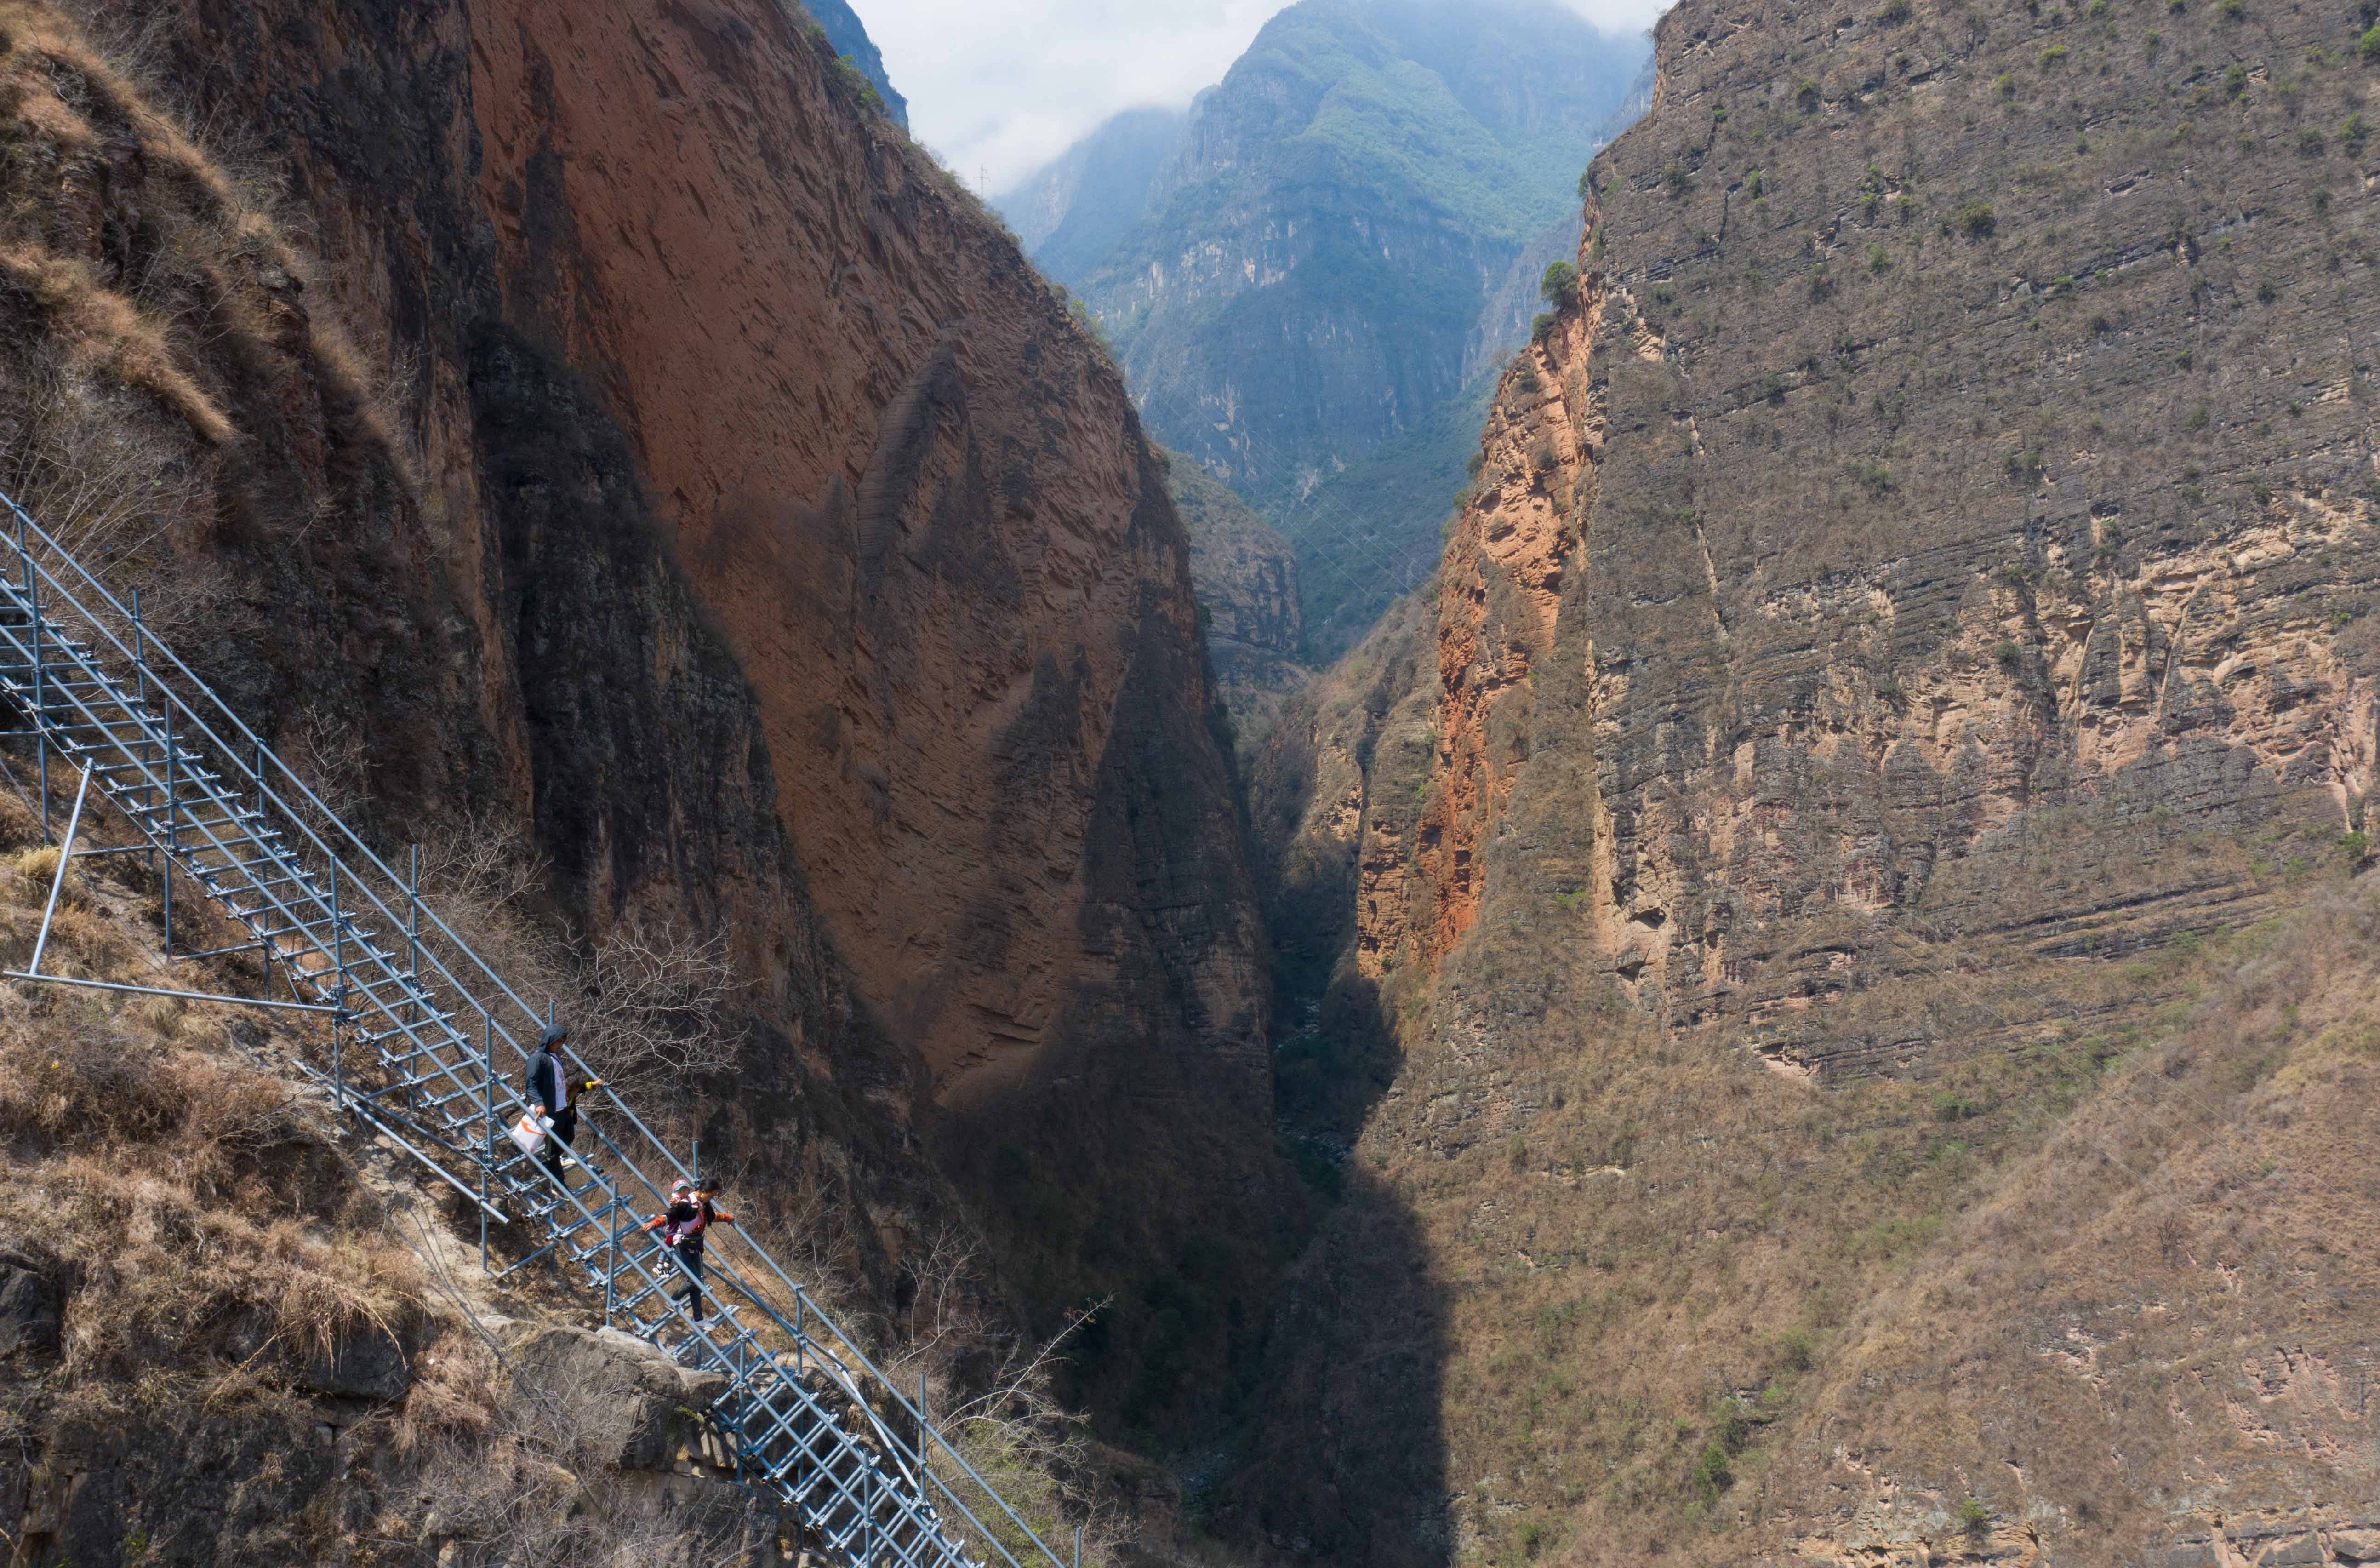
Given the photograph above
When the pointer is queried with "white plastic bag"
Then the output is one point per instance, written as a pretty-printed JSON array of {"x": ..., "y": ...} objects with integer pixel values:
[{"x": 529, "y": 1132}]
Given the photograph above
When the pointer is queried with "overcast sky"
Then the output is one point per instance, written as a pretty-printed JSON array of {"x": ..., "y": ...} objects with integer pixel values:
[{"x": 1000, "y": 87}]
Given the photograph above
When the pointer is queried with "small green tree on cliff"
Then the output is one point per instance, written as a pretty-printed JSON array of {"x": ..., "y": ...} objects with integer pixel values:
[{"x": 1559, "y": 285}]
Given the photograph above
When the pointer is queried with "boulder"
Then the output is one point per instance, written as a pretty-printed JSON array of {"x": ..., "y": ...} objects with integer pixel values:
[
  {"x": 2356, "y": 1545},
  {"x": 32, "y": 1306},
  {"x": 620, "y": 1401}
]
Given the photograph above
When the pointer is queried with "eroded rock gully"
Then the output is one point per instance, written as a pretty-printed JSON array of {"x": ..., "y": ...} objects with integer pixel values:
[{"x": 1862, "y": 837}]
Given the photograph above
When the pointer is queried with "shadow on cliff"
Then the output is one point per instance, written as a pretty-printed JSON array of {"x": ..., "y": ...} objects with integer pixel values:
[
  {"x": 1129, "y": 1163},
  {"x": 1342, "y": 1457},
  {"x": 1344, "y": 1460}
]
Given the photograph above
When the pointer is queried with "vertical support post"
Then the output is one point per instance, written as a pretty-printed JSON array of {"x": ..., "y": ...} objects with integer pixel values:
[
  {"x": 413, "y": 916},
  {"x": 140, "y": 673},
  {"x": 40, "y": 677},
  {"x": 413, "y": 957},
  {"x": 745, "y": 1347},
  {"x": 801, "y": 1339},
  {"x": 339, "y": 965},
  {"x": 612, "y": 1264},
  {"x": 488, "y": 1146},
  {"x": 172, "y": 832},
  {"x": 1078, "y": 1546}
]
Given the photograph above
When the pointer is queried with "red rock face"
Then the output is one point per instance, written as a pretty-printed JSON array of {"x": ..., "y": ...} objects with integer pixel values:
[
  {"x": 809, "y": 566},
  {"x": 910, "y": 490},
  {"x": 1499, "y": 603}
]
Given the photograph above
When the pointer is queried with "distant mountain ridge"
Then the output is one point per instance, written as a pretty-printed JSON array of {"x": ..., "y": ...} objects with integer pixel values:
[
  {"x": 1075, "y": 211},
  {"x": 849, "y": 36},
  {"x": 1315, "y": 259}
]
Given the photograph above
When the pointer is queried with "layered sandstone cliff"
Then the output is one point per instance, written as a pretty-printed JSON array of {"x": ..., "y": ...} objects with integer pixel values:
[{"x": 1900, "y": 675}]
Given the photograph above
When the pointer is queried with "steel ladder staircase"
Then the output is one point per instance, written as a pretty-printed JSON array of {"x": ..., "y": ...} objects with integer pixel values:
[{"x": 426, "y": 1039}]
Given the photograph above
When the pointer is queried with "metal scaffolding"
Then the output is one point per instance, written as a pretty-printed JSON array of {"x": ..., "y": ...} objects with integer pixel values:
[{"x": 426, "y": 1039}]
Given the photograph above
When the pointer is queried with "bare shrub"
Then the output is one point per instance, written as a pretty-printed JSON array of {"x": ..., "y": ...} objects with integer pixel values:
[
  {"x": 116, "y": 484},
  {"x": 103, "y": 483},
  {"x": 646, "y": 1002},
  {"x": 328, "y": 755},
  {"x": 658, "y": 993},
  {"x": 454, "y": 1398},
  {"x": 999, "y": 1409}
]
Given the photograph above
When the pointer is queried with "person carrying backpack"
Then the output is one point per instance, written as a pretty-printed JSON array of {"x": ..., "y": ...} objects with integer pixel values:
[
  {"x": 682, "y": 1224},
  {"x": 553, "y": 1095}
]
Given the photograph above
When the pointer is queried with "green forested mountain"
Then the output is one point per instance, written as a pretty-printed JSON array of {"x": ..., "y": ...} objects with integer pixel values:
[{"x": 1331, "y": 255}]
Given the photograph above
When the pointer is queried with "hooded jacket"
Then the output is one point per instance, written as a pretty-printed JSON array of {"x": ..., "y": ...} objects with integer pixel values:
[{"x": 544, "y": 1085}]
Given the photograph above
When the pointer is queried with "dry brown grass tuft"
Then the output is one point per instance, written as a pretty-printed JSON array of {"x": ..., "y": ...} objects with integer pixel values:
[
  {"x": 191, "y": 316},
  {"x": 168, "y": 1278},
  {"x": 51, "y": 44},
  {"x": 162, "y": 1015},
  {"x": 96, "y": 327},
  {"x": 37, "y": 865},
  {"x": 456, "y": 1396}
]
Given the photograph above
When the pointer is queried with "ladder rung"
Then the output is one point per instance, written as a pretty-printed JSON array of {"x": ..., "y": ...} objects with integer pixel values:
[{"x": 376, "y": 1036}]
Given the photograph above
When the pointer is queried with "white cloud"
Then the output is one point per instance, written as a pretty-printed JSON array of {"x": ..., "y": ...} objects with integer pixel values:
[{"x": 1000, "y": 87}]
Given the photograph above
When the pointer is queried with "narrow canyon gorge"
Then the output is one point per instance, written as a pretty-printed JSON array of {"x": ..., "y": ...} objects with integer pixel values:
[{"x": 1803, "y": 999}]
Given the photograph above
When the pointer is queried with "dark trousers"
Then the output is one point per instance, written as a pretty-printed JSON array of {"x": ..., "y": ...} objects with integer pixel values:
[
  {"x": 566, "y": 1131},
  {"x": 689, "y": 1257}
]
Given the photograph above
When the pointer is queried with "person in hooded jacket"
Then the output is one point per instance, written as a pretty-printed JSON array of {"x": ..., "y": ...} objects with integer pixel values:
[{"x": 554, "y": 1095}]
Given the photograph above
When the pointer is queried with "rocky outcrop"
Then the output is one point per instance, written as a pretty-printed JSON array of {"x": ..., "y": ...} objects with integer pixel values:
[
  {"x": 1827, "y": 645},
  {"x": 31, "y": 1305},
  {"x": 632, "y": 1406},
  {"x": 847, "y": 36}
]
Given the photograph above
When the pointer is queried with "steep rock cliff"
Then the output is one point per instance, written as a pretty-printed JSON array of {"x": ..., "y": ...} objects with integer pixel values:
[
  {"x": 1943, "y": 549},
  {"x": 743, "y": 518},
  {"x": 1900, "y": 677},
  {"x": 848, "y": 37},
  {"x": 1247, "y": 578}
]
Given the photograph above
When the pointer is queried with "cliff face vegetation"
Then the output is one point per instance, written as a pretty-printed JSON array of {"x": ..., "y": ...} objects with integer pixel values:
[
  {"x": 1861, "y": 965},
  {"x": 710, "y": 501}
]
